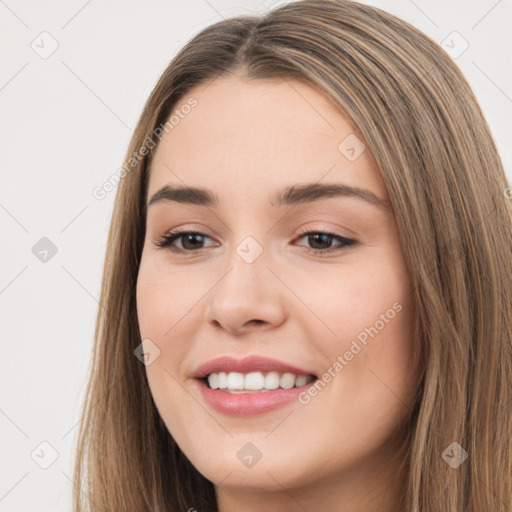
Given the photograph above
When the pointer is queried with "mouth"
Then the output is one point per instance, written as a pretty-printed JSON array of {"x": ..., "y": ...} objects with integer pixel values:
[{"x": 249, "y": 386}]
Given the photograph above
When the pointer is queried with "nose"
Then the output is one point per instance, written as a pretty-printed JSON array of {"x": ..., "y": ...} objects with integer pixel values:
[{"x": 247, "y": 297}]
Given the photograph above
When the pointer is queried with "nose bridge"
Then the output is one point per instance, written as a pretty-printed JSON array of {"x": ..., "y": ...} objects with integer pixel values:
[
  {"x": 247, "y": 291},
  {"x": 247, "y": 275}
]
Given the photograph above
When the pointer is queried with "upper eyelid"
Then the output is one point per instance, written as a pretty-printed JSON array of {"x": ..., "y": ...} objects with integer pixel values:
[{"x": 177, "y": 232}]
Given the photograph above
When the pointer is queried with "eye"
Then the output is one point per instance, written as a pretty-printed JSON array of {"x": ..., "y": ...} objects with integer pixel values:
[
  {"x": 191, "y": 240},
  {"x": 322, "y": 241}
]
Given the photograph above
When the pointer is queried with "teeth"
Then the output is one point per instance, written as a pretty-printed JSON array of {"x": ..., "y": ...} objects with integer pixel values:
[
  {"x": 223, "y": 380},
  {"x": 256, "y": 381},
  {"x": 301, "y": 380},
  {"x": 272, "y": 380},
  {"x": 236, "y": 380},
  {"x": 287, "y": 381}
]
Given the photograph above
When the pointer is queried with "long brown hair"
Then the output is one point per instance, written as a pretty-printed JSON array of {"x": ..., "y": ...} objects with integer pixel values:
[{"x": 421, "y": 121}]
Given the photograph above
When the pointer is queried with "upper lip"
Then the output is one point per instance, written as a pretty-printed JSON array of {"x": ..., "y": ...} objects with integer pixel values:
[{"x": 247, "y": 365}]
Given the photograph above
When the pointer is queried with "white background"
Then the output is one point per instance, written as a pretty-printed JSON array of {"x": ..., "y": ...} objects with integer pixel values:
[{"x": 66, "y": 124}]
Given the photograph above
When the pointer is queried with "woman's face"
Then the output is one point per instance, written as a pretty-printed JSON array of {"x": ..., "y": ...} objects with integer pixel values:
[{"x": 249, "y": 283}]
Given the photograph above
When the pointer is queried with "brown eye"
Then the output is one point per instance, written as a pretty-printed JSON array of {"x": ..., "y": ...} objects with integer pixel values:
[
  {"x": 321, "y": 241},
  {"x": 190, "y": 241}
]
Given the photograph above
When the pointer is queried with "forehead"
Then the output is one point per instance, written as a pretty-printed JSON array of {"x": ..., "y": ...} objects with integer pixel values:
[{"x": 247, "y": 135}]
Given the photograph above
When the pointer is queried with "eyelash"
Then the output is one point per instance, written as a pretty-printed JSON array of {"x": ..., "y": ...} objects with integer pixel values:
[{"x": 166, "y": 240}]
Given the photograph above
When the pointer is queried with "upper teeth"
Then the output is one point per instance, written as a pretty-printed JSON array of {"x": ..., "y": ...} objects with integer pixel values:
[{"x": 255, "y": 381}]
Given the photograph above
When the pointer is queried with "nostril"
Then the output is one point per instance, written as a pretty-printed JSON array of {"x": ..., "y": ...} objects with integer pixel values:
[{"x": 258, "y": 322}]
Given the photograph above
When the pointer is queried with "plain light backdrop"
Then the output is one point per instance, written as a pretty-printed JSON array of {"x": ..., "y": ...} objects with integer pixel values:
[{"x": 74, "y": 77}]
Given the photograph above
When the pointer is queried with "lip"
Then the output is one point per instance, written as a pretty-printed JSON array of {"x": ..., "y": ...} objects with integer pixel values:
[
  {"x": 247, "y": 404},
  {"x": 247, "y": 365}
]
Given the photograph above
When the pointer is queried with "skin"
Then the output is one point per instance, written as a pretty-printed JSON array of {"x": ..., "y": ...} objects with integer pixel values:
[{"x": 244, "y": 141}]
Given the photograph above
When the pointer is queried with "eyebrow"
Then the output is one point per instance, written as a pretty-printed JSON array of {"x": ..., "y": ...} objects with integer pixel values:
[{"x": 296, "y": 194}]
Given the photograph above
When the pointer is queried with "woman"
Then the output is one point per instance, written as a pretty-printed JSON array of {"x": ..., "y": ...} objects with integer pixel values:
[{"x": 306, "y": 295}]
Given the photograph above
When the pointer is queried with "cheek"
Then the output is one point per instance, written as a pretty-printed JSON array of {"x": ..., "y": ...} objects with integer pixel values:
[
  {"x": 164, "y": 296},
  {"x": 353, "y": 298},
  {"x": 365, "y": 315},
  {"x": 162, "y": 300},
  {"x": 168, "y": 312}
]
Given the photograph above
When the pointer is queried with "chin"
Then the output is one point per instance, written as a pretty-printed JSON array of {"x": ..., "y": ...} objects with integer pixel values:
[{"x": 265, "y": 475}]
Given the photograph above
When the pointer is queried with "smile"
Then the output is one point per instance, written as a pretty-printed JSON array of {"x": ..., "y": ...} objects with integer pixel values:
[{"x": 250, "y": 386}]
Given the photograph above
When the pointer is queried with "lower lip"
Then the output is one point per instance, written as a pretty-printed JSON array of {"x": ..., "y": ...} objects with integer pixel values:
[{"x": 247, "y": 404}]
